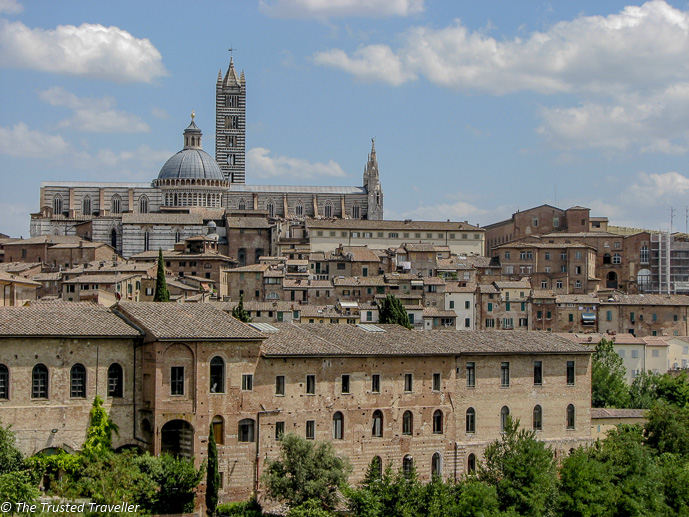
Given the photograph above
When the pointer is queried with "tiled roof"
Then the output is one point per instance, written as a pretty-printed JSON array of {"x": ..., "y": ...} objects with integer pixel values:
[
  {"x": 419, "y": 247},
  {"x": 391, "y": 277},
  {"x": 433, "y": 280},
  {"x": 305, "y": 283},
  {"x": 45, "y": 239},
  {"x": 542, "y": 293},
  {"x": 253, "y": 268},
  {"x": 358, "y": 280},
  {"x": 359, "y": 254},
  {"x": 521, "y": 284},
  {"x": 197, "y": 321},
  {"x": 99, "y": 279},
  {"x": 454, "y": 287},
  {"x": 488, "y": 289},
  {"x": 433, "y": 312},
  {"x": 248, "y": 222},
  {"x": 580, "y": 299},
  {"x": 163, "y": 218},
  {"x": 337, "y": 340},
  {"x": 657, "y": 340},
  {"x": 543, "y": 245},
  {"x": 477, "y": 261},
  {"x": 648, "y": 299},
  {"x": 14, "y": 279},
  {"x": 63, "y": 319},
  {"x": 617, "y": 413},
  {"x": 253, "y": 306},
  {"x": 18, "y": 267},
  {"x": 594, "y": 338},
  {"x": 184, "y": 255},
  {"x": 366, "y": 224}
]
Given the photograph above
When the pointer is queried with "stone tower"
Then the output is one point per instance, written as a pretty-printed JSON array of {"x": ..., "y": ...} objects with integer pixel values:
[
  {"x": 373, "y": 187},
  {"x": 230, "y": 124}
]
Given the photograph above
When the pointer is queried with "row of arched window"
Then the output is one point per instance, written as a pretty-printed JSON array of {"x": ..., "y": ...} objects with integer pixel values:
[
  {"x": 328, "y": 209},
  {"x": 193, "y": 199},
  {"x": 87, "y": 205},
  {"x": 40, "y": 381}
]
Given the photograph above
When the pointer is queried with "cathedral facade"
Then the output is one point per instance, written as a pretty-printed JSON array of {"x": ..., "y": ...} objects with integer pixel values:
[{"x": 194, "y": 189}]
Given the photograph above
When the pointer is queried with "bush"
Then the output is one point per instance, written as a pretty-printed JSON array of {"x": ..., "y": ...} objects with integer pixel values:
[{"x": 249, "y": 508}]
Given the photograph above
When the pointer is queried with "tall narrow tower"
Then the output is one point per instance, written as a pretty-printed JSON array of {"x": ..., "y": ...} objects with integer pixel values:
[
  {"x": 230, "y": 124},
  {"x": 373, "y": 186}
]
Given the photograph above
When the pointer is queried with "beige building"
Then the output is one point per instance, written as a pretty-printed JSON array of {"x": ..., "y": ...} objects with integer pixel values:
[{"x": 605, "y": 419}]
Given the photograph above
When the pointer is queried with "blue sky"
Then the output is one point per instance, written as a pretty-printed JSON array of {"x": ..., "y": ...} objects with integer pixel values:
[{"x": 478, "y": 108}]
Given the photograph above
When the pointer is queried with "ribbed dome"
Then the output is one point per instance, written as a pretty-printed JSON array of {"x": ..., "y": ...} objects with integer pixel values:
[{"x": 191, "y": 163}]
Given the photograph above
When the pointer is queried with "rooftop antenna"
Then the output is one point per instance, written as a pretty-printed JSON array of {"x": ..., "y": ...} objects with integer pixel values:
[{"x": 555, "y": 196}]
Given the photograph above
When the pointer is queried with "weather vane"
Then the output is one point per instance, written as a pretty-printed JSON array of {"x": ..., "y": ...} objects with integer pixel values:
[{"x": 231, "y": 49}]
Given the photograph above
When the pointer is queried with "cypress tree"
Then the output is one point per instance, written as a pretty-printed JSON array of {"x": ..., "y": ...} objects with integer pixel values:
[
  {"x": 212, "y": 474},
  {"x": 392, "y": 311},
  {"x": 239, "y": 312},
  {"x": 161, "y": 294}
]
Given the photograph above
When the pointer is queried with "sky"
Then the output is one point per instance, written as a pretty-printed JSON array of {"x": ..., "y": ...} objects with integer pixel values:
[{"x": 478, "y": 109}]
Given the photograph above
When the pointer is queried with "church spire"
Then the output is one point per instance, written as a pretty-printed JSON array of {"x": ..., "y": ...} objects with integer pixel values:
[
  {"x": 192, "y": 135},
  {"x": 231, "y": 77}
]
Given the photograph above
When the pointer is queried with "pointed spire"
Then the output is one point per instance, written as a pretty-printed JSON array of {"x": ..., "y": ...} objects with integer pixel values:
[
  {"x": 192, "y": 135},
  {"x": 219, "y": 75},
  {"x": 372, "y": 157},
  {"x": 231, "y": 78}
]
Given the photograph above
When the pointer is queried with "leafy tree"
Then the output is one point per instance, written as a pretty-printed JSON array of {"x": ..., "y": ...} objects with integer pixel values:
[
  {"x": 212, "y": 474},
  {"x": 667, "y": 430},
  {"x": 673, "y": 389},
  {"x": 177, "y": 479},
  {"x": 249, "y": 508},
  {"x": 11, "y": 458},
  {"x": 161, "y": 294},
  {"x": 643, "y": 391},
  {"x": 99, "y": 433},
  {"x": 239, "y": 312},
  {"x": 608, "y": 386},
  {"x": 477, "y": 499},
  {"x": 522, "y": 470},
  {"x": 17, "y": 487},
  {"x": 309, "y": 508},
  {"x": 305, "y": 471},
  {"x": 586, "y": 486},
  {"x": 392, "y": 311},
  {"x": 674, "y": 471}
]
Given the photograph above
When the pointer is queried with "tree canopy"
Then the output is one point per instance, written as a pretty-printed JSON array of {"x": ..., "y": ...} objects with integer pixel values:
[
  {"x": 608, "y": 385},
  {"x": 162, "y": 294},
  {"x": 391, "y": 310},
  {"x": 239, "y": 312}
]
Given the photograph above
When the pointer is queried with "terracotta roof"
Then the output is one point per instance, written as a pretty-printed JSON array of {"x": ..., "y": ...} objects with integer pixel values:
[
  {"x": 579, "y": 299},
  {"x": 99, "y": 279},
  {"x": 657, "y": 340},
  {"x": 14, "y": 279},
  {"x": 542, "y": 293},
  {"x": 358, "y": 280},
  {"x": 359, "y": 254},
  {"x": 617, "y": 413},
  {"x": 418, "y": 247},
  {"x": 521, "y": 284},
  {"x": 648, "y": 299},
  {"x": 594, "y": 338},
  {"x": 247, "y": 222},
  {"x": 18, "y": 267},
  {"x": 433, "y": 280},
  {"x": 454, "y": 287},
  {"x": 338, "y": 340},
  {"x": 45, "y": 239},
  {"x": 277, "y": 305},
  {"x": 488, "y": 289},
  {"x": 172, "y": 321},
  {"x": 63, "y": 319},
  {"x": 305, "y": 283},
  {"x": 253, "y": 268},
  {"x": 433, "y": 312}
]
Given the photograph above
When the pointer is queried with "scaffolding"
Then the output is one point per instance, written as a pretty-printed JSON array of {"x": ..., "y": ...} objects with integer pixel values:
[{"x": 669, "y": 264}]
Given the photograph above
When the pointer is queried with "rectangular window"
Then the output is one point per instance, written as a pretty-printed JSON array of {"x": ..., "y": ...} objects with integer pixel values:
[
  {"x": 436, "y": 382},
  {"x": 408, "y": 382},
  {"x": 471, "y": 374},
  {"x": 490, "y": 307},
  {"x": 505, "y": 374},
  {"x": 571, "y": 317},
  {"x": 279, "y": 430},
  {"x": 538, "y": 373},
  {"x": 345, "y": 384},
  {"x": 635, "y": 354},
  {"x": 375, "y": 383},
  {"x": 452, "y": 304},
  {"x": 507, "y": 306},
  {"x": 310, "y": 384},
  {"x": 608, "y": 316},
  {"x": 490, "y": 323},
  {"x": 247, "y": 382},
  {"x": 310, "y": 429},
  {"x": 467, "y": 304},
  {"x": 177, "y": 380},
  {"x": 570, "y": 373},
  {"x": 467, "y": 322},
  {"x": 280, "y": 385}
]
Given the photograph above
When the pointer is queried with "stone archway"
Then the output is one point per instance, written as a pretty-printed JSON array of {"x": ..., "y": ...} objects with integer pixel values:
[
  {"x": 177, "y": 438},
  {"x": 611, "y": 280}
]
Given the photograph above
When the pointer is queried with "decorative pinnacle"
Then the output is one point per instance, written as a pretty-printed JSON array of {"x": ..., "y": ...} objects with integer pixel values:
[{"x": 192, "y": 115}]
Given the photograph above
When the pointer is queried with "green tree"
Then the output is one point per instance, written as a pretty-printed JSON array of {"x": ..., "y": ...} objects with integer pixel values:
[
  {"x": 586, "y": 486},
  {"x": 392, "y": 311},
  {"x": 17, "y": 487},
  {"x": 212, "y": 474},
  {"x": 99, "y": 433},
  {"x": 177, "y": 479},
  {"x": 477, "y": 499},
  {"x": 239, "y": 313},
  {"x": 161, "y": 294},
  {"x": 11, "y": 458},
  {"x": 673, "y": 389},
  {"x": 249, "y": 508},
  {"x": 310, "y": 508},
  {"x": 667, "y": 430},
  {"x": 305, "y": 471},
  {"x": 522, "y": 470},
  {"x": 608, "y": 386},
  {"x": 643, "y": 391}
]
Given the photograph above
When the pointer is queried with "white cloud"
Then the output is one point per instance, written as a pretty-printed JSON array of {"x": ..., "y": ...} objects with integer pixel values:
[
  {"x": 89, "y": 50},
  {"x": 10, "y": 7},
  {"x": 458, "y": 211},
  {"x": 142, "y": 163},
  {"x": 93, "y": 115},
  {"x": 260, "y": 164},
  {"x": 653, "y": 189},
  {"x": 340, "y": 8},
  {"x": 20, "y": 141},
  {"x": 370, "y": 63}
]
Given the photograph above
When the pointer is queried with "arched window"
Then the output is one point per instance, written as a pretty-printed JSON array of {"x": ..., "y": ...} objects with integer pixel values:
[
  {"x": 218, "y": 425},
  {"x": 537, "y": 418},
  {"x": 504, "y": 415},
  {"x": 338, "y": 426},
  {"x": 377, "y": 429},
  {"x": 246, "y": 430},
  {"x": 39, "y": 382},
  {"x": 570, "y": 416},
  {"x": 77, "y": 381},
  {"x": 4, "y": 382},
  {"x": 57, "y": 204},
  {"x": 616, "y": 258},
  {"x": 471, "y": 420},
  {"x": 328, "y": 209},
  {"x": 86, "y": 206},
  {"x": 271, "y": 208},
  {"x": 115, "y": 380},
  {"x": 356, "y": 211},
  {"x": 643, "y": 279},
  {"x": 217, "y": 375},
  {"x": 438, "y": 422},
  {"x": 437, "y": 465},
  {"x": 299, "y": 209},
  {"x": 407, "y": 466},
  {"x": 143, "y": 205},
  {"x": 242, "y": 204},
  {"x": 471, "y": 463},
  {"x": 113, "y": 238},
  {"x": 607, "y": 259},
  {"x": 116, "y": 204},
  {"x": 407, "y": 423},
  {"x": 147, "y": 240}
]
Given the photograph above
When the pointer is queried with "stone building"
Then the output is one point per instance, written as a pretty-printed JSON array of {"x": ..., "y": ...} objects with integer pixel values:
[
  {"x": 172, "y": 373},
  {"x": 193, "y": 189}
]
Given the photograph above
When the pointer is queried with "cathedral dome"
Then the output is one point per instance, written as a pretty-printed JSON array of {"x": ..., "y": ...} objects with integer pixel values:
[{"x": 192, "y": 162}]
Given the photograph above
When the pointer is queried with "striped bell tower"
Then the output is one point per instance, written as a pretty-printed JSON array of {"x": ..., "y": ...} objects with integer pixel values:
[{"x": 230, "y": 124}]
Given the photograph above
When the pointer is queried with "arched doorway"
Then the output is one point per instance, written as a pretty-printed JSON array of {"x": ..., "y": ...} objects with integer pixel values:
[
  {"x": 611, "y": 280},
  {"x": 177, "y": 438}
]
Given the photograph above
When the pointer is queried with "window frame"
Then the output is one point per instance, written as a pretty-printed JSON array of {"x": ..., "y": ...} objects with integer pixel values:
[{"x": 177, "y": 381}]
